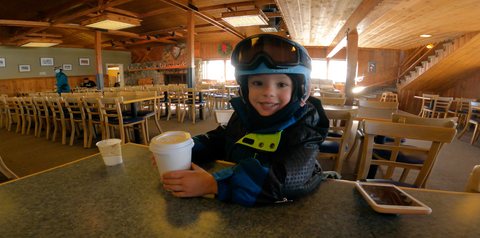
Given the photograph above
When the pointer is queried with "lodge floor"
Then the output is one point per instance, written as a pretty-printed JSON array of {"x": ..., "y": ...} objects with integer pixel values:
[{"x": 26, "y": 155}]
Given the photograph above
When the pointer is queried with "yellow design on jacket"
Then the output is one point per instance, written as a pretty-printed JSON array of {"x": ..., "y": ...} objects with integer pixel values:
[{"x": 265, "y": 142}]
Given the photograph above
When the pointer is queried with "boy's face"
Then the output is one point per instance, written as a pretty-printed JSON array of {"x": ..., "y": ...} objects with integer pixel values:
[{"x": 268, "y": 93}]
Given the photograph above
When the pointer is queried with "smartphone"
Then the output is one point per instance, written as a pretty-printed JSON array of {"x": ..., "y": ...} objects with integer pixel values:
[{"x": 388, "y": 198}]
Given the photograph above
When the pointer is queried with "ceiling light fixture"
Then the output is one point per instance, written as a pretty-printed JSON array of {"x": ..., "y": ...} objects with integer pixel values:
[
  {"x": 113, "y": 45},
  {"x": 245, "y": 18},
  {"x": 429, "y": 46},
  {"x": 111, "y": 21},
  {"x": 157, "y": 36},
  {"x": 288, "y": 34},
  {"x": 149, "y": 38},
  {"x": 132, "y": 40},
  {"x": 123, "y": 42},
  {"x": 425, "y": 36},
  {"x": 173, "y": 34},
  {"x": 148, "y": 48},
  {"x": 39, "y": 42}
]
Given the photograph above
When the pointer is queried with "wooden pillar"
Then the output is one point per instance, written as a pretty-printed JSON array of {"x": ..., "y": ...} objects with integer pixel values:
[
  {"x": 352, "y": 59},
  {"x": 190, "y": 47},
  {"x": 98, "y": 59}
]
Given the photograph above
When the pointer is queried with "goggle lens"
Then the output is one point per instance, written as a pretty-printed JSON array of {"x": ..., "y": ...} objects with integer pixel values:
[{"x": 279, "y": 51}]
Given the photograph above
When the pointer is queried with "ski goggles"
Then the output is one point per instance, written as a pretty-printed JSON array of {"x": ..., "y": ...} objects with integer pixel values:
[{"x": 277, "y": 52}]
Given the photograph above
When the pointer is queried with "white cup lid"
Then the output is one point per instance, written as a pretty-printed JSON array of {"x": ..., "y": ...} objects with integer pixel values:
[{"x": 171, "y": 140}]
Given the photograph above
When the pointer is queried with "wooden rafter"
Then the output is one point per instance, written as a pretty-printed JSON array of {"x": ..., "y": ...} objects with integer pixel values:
[
  {"x": 363, "y": 9},
  {"x": 117, "y": 10},
  {"x": 206, "y": 18},
  {"x": 157, "y": 12},
  {"x": 231, "y": 5}
]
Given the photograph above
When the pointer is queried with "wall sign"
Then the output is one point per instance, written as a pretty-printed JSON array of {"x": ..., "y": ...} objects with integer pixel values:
[
  {"x": 224, "y": 49},
  {"x": 372, "y": 66}
]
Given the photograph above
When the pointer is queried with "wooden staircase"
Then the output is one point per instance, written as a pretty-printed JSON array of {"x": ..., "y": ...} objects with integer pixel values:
[{"x": 444, "y": 65}]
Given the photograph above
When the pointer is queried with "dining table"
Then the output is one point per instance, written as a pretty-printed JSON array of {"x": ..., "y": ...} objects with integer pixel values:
[
  {"x": 378, "y": 114},
  {"x": 86, "y": 198}
]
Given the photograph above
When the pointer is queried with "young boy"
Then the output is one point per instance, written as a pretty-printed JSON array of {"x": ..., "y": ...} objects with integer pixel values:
[
  {"x": 88, "y": 83},
  {"x": 273, "y": 136}
]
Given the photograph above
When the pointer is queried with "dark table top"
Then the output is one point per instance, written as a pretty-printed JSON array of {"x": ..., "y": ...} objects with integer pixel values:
[{"x": 88, "y": 199}]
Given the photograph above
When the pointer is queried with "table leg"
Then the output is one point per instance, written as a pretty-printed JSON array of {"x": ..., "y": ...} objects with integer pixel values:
[{"x": 136, "y": 133}]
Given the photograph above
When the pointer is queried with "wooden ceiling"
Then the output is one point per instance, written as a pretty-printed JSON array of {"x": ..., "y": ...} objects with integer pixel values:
[{"x": 382, "y": 24}]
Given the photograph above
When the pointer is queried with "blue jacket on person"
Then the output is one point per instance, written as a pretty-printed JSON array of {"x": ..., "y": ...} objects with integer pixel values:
[
  {"x": 272, "y": 164},
  {"x": 62, "y": 83}
]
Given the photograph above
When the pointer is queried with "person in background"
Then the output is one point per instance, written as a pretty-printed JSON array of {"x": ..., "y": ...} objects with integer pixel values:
[
  {"x": 273, "y": 137},
  {"x": 88, "y": 83},
  {"x": 62, "y": 81},
  {"x": 117, "y": 84}
]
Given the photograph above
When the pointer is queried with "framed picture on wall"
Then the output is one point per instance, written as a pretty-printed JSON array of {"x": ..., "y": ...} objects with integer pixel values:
[
  {"x": 84, "y": 61},
  {"x": 46, "y": 62},
  {"x": 22, "y": 68},
  {"x": 3, "y": 63},
  {"x": 67, "y": 67}
]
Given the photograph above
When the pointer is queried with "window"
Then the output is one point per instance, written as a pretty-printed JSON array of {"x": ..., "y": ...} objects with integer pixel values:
[
  {"x": 319, "y": 69},
  {"x": 214, "y": 69},
  {"x": 230, "y": 74},
  {"x": 337, "y": 70}
]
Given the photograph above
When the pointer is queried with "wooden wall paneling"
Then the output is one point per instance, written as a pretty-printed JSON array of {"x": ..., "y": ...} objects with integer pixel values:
[{"x": 386, "y": 67}]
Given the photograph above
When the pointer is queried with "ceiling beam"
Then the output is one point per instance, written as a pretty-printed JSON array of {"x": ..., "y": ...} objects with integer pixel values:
[
  {"x": 95, "y": 9},
  {"x": 157, "y": 12},
  {"x": 43, "y": 34},
  {"x": 206, "y": 18},
  {"x": 363, "y": 9},
  {"x": 238, "y": 4},
  {"x": 117, "y": 10},
  {"x": 210, "y": 32}
]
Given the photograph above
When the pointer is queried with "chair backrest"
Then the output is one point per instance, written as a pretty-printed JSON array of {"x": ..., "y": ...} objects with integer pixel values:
[
  {"x": 65, "y": 94},
  {"x": 376, "y": 104},
  {"x": 79, "y": 94},
  {"x": 6, "y": 171},
  {"x": 450, "y": 122},
  {"x": 332, "y": 95},
  {"x": 436, "y": 135},
  {"x": 110, "y": 94},
  {"x": 107, "y": 89},
  {"x": 75, "y": 107},
  {"x": 223, "y": 116},
  {"x": 442, "y": 103},
  {"x": 473, "y": 109},
  {"x": 473, "y": 185},
  {"x": 463, "y": 105},
  {"x": 174, "y": 93},
  {"x": 110, "y": 108},
  {"x": 92, "y": 109},
  {"x": 42, "y": 106},
  {"x": 55, "y": 105},
  {"x": 99, "y": 94},
  {"x": 52, "y": 95},
  {"x": 29, "y": 106},
  {"x": 332, "y": 101},
  {"x": 126, "y": 94}
]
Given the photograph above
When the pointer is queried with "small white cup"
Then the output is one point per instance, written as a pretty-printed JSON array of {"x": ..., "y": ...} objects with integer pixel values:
[
  {"x": 172, "y": 151},
  {"x": 111, "y": 150}
]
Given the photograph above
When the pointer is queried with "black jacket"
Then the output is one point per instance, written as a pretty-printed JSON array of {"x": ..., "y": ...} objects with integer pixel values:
[{"x": 262, "y": 176}]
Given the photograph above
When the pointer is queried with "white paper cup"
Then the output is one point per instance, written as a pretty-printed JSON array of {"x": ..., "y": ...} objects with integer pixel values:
[
  {"x": 111, "y": 150},
  {"x": 172, "y": 151}
]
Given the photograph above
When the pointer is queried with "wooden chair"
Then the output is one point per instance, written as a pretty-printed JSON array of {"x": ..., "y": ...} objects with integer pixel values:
[
  {"x": 30, "y": 114},
  {"x": 94, "y": 117},
  {"x": 190, "y": 103},
  {"x": 389, "y": 97},
  {"x": 473, "y": 117},
  {"x": 44, "y": 115},
  {"x": 59, "y": 118},
  {"x": 427, "y": 102},
  {"x": 461, "y": 109},
  {"x": 110, "y": 94},
  {"x": 332, "y": 101},
  {"x": 113, "y": 118},
  {"x": 440, "y": 105},
  {"x": 376, "y": 104},
  {"x": 473, "y": 185},
  {"x": 15, "y": 114},
  {"x": 6, "y": 171},
  {"x": 94, "y": 94},
  {"x": 332, "y": 95},
  {"x": 209, "y": 97},
  {"x": 151, "y": 111},
  {"x": 175, "y": 98},
  {"x": 75, "y": 108},
  {"x": 221, "y": 97},
  {"x": 222, "y": 117},
  {"x": 335, "y": 146},
  {"x": 436, "y": 135}
]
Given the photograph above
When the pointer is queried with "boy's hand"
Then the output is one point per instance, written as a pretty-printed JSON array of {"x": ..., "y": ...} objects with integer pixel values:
[{"x": 190, "y": 183}]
